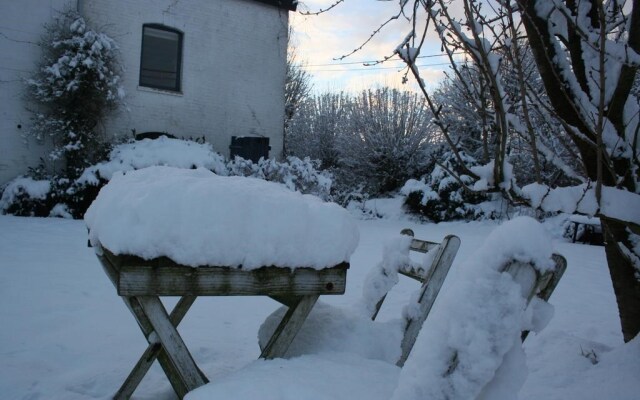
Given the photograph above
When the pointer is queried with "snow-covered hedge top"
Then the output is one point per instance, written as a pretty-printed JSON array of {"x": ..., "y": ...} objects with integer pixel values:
[
  {"x": 196, "y": 217},
  {"x": 161, "y": 151}
]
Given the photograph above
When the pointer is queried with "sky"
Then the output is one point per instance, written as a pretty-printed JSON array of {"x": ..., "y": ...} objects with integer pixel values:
[{"x": 321, "y": 39}]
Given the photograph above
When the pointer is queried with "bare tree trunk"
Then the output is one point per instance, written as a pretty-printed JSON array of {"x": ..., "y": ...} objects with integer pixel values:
[
  {"x": 610, "y": 172},
  {"x": 623, "y": 276}
]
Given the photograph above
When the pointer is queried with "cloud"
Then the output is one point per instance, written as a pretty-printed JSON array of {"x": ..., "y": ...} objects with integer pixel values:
[{"x": 321, "y": 39}]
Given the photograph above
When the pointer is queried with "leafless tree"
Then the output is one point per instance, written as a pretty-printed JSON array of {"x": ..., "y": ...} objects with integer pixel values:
[
  {"x": 297, "y": 87},
  {"x": 586, "y": 53}
]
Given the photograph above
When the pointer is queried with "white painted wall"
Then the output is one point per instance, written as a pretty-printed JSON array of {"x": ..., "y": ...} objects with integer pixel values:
[
  {"x": 233, "y": 70},
  {"x": 21, "y": 26}
]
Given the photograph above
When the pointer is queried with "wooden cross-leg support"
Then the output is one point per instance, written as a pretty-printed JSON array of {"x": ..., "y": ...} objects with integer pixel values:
[
  {"x": 140, "y": 282},
  {"x": 165, "y": 344}
]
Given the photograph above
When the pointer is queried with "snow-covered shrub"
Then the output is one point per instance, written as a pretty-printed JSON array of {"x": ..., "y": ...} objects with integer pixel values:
[
  {"x": 151, "y": 152},
  {"x": 51, "y": 196},
  {"x": 375, "y": 140},
  {"x": 316, "y": 126},
  {"x": 25, "y": 196},
  {"x": 76, "y": 86},
  {"x": 72, "y": 197},
  {"x": 439, "y": 196},
  {"x": 386, "y": 142},
  {"x": 344, "y": 194},
  {"x": 303, "y": 176}
]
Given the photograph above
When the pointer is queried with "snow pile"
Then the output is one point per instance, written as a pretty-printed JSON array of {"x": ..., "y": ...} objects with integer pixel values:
[
  {"x": 152, "y": 152},
  {"x": 566, "y": 366},
  {"x": 469, "y": 347},
  {"x": 196, "y": 217},
  {"x": 339, "y": 329},
  {"x": 314, "y": 377}
]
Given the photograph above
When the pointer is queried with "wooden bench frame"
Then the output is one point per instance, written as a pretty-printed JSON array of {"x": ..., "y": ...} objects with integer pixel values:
[{"x": 141, "y": 282}]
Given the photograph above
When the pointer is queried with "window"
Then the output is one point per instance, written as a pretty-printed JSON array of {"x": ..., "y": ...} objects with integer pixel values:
[{"x": 161, "y": 57}]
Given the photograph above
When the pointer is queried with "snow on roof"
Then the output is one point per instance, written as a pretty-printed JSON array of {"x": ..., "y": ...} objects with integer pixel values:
[{"x": 196, "y": 217}]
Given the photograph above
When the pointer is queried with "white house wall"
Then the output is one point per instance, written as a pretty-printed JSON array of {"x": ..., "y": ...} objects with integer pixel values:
[
  {"x": 233, "y": 71},
  {"x": 233, "y": 68},
  {"x": 21, "y": 27}
]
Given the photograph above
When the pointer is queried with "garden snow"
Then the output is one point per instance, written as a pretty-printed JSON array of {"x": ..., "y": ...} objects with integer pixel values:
[{"x": 197, "y": 218}]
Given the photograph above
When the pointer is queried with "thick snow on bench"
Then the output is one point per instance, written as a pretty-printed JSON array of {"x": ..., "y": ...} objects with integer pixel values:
[{"x": 197, "y": 218}]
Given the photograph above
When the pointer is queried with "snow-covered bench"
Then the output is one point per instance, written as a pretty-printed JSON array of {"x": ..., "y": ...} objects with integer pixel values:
[{"x": 172, "y": 232}]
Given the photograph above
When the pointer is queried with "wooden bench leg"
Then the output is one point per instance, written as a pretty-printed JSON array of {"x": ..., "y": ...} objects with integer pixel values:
[
  {"x": 289, "y": 327},
  {"x": 153, "y": 351},
  {"x": 165, "y": 343}
]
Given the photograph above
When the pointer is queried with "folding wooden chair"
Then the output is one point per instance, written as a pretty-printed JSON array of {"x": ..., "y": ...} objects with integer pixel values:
[{"x": 431, "y": 279}]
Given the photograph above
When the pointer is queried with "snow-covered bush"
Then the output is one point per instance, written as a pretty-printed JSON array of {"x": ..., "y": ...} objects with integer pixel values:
[
  {"x": 298, "y": 175},
  {"x": 65, "y": 197},
  {"x": 25, "y": 196},
  {"x": 387, "y": 140},
  {"x": 150, "y": 152},
  {"x": 316, "y": 126},
  {"x": 51, "y": 196},
  {"x": 76, "y": 86},
  {"x": 375, "y": 140},
  {"x": 439, "y": 196}
]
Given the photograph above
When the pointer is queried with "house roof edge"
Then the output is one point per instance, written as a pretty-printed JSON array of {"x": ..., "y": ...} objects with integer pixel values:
[{"x": 290, "y": 5}]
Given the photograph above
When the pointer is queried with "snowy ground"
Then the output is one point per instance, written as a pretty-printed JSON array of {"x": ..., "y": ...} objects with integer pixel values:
[{"x": 66, "y": 335}]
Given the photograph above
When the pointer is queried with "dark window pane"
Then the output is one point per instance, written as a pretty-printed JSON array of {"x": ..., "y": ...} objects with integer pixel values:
[{"x": 160, "y": 64}]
